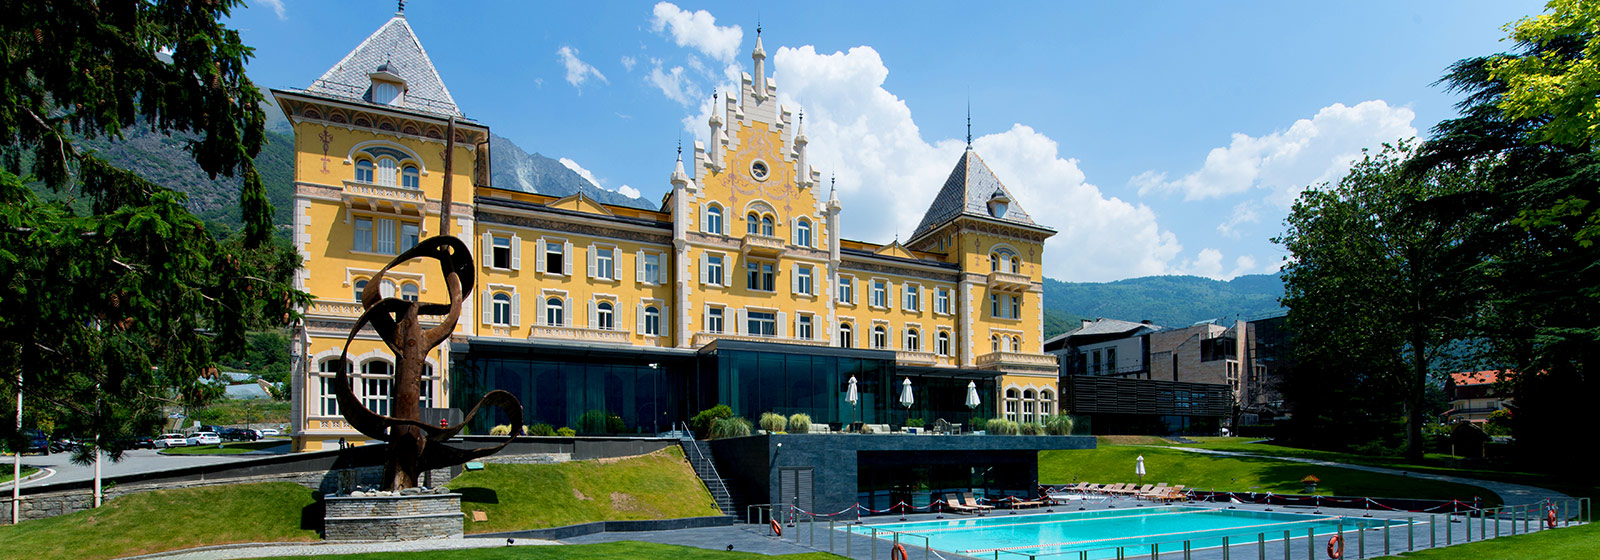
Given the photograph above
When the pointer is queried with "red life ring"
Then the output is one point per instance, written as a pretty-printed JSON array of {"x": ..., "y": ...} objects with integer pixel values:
[
  {"x": 1335, "y": 547},
  {"x": 1550, "y": 518},
  {"x": 901, "y": 551},
  {"x": 776, "y": 529}
]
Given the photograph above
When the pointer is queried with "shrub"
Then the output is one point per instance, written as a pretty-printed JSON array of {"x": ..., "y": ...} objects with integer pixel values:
[
  {"x": 701, "y": 423},
  {"x": 800, "y": 423},
  {"x": 773, "y": 423},
  {"x": 601, "y": 422},
  {"x": 1058, "y": 425},
  {"x": 916, "y": 423},
  {"x": 1001, "y": 427},
  {"x": 542, "y": 430},
  {"x": 978, "y": 424},
  {"x": 500, "y": 430},
  {"x": 729, "y": 427},
  {"x": 1030, "y": 429},
  {"x": 566, "y": 432}
]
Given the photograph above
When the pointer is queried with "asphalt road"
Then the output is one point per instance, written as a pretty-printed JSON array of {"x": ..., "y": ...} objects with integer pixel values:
[{"x": 135, "y": 461}]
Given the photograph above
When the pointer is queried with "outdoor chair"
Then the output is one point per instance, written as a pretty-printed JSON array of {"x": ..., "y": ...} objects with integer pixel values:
[
  {"x": 1154, "y": 492},
  {"x": 955, "y": 506},
  {"x": 1019, "y": 503},
  {"x": 1112, "y": 489},
  {"x": 1141, "y": 491},
  {"x": 973, "y": 502}
]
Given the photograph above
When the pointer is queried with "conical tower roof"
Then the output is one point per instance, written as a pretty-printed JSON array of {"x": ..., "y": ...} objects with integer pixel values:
[
  {"x": 967, "y": 192},
  {"x": 395, "y": 48}
]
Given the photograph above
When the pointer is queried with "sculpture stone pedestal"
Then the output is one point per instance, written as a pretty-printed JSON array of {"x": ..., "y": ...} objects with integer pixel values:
[{"x": 392, "y": 518}]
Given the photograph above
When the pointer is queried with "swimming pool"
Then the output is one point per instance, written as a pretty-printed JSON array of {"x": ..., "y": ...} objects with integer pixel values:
[{"x": 1104, "y": 530}]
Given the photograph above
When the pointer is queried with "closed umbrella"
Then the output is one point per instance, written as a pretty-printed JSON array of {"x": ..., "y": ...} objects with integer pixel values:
[
  {"x": 972, "y": 395},
  {"x": 852, "y": 396},
  {"x": 1138, "y": 468},
  {"x": 906, "y": 399}
]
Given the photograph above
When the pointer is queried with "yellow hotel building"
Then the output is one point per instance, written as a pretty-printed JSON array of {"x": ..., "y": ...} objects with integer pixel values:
[{"x": 738, "y": 290}]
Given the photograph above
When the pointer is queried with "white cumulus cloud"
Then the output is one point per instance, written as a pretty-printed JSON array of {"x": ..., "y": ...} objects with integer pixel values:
[
  {"x": 573, "y": 165},
  {"x": 698, "y": 30},
  {"x": 628, "y": 191},
  {"x": 1243, "y": 213},
  {"x": 628, "y": 62},
  {"x": 1310, "y": 151},
  {"x": 673, "y": 83},
  {"x": 277, "y": 8},
  {"x": 578, "y": 71}
]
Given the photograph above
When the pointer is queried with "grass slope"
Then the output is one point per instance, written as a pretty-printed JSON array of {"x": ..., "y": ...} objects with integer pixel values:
[
  {"x": 625, "y": 549},
  {"x": 228, "y": 448},
  {"x": 1568, "y": 543},
  {"x": 168, "y": 520},
  {"x": 26, "y": 471},
  {"x": 660, "y": 485},
  {"x": 1112, "y": 464}
]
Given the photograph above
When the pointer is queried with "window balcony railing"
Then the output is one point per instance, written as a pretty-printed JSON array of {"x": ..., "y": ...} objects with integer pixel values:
[
  {"x": 916, "y": 358},
  {"x": 703, "y": 338},
  {"x": 1009, "y": 361},
  {"x": 334, "y": 308},
  {"x": 761, "y": 245},
  {"x": 583, "y": 334},
  {"x": 382, "y": 197},
  {"x": 1009, "y": 282}
]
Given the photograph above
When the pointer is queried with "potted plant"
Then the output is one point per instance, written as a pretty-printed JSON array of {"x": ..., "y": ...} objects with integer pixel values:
[{"x": 1310, "y": 481}]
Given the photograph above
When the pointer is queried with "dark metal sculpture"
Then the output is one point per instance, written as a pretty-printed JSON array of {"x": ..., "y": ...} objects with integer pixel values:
[{"x": 415, "y": 447}]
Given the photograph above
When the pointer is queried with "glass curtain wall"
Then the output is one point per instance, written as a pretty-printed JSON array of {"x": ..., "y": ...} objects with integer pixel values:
[{"x": 591, "y": 398}]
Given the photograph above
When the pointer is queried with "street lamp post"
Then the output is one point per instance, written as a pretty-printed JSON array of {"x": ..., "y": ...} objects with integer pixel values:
[{"x": 16, "y": 466}]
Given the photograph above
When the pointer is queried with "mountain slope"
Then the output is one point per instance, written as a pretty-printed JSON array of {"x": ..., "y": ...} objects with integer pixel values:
[
  {"x": 1172, "y": 301},
  {"x": 515, "y": 169}
]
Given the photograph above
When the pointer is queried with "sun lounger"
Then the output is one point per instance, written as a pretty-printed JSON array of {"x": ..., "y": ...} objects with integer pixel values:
[
  {"x": 1018, "y": 503},
  {"x": 1110, "y": 489},
  {"x": 972, "y": 502},
  {"x": 957, "y": 507},
  {"x": 1153, "y": 493},
  {"x": 1140, "y": 491}
]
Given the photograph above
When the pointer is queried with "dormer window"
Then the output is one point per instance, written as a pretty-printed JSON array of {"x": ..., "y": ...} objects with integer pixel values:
[
  {"x": 998, "y": 204},
  {"x": 387, "y": 85}
]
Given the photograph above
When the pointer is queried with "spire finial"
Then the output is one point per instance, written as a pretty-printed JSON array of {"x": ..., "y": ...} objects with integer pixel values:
[
  {"x": 402, "y": 10},
  {"x": 680, "y": 147},
  {"x": 969, "y": 123}
]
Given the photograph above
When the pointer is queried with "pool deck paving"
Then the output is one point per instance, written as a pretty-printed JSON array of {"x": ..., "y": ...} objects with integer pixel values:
[{"x": 267, "y": 550}]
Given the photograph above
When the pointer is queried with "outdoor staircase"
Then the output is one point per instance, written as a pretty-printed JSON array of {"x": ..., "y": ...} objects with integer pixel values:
[{"x": 699, "y": 455}]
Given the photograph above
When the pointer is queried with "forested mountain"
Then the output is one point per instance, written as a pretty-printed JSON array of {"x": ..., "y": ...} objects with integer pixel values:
[
  {"x": 515, "y": 169},
  {"x": 1172, "y": 301}
]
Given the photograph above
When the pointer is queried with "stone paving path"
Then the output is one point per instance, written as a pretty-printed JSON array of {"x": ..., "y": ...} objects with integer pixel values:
[
  {"x": 1510, "y": 494},
  {"x": 264, "y": 550}
]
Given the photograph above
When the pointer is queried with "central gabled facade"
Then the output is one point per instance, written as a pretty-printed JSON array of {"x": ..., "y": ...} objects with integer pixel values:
[{"x": 608, "y": 319}]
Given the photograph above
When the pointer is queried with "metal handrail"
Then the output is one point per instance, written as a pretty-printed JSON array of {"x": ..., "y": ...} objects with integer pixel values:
[{"x": 695, "y": 445}]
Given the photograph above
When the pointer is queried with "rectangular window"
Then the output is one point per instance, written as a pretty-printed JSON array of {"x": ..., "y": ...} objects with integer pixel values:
[
  {"x": 383, "y": 236},
  {"x": 994, "y": 305},
  {"x": 802, "y": 328},
  {"x": 942, "y": 345},
  {"x": 913, "y": 297},
  {"x": 1111, "y": 360},
  {"x": 363, "y": 237},
  {"x": 502, "y": 252},
  {"x": 880, "y": 293},
  {"x": 847, "y": 289},
  {"x": 330, "y": 400},
  {"x": 1096, "y": 367},
  {"x": 714, "y": 269},
  {"x": 762, "y": 323},
  {"x": 714, "y": 319},
  {"x": 410, "y": 234},
  {"x": 941, "y": 301},
  {"x": 425, "y": 397},
  {"x": 375, "y": 395},
  {"x": 554, "y": 257},
  {"x": 803, "y": 280},
  {"x": 605, "y": 264},
  {"x": 1016, "y": 307},
  {"x": 652, "y": 267},
  {"x": 759, "y": 275}
]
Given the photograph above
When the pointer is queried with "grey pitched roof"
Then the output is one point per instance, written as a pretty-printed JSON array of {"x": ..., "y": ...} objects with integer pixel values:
[
  {"x": 1113, "y": 326},
  {"x": 396, "y": 46},
  {"x": 967, "y": 191}
]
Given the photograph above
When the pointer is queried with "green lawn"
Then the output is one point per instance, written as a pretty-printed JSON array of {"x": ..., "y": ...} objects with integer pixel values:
[
  {"x": 660, "y": 485},
  {"x": 1569, "y": 543},
  {"x": 1112, "y": 464},
  {"x": 625, "y": 549},
  {"x": 6, "y": 477},
  {"x": 170, "y": 519},
  {"x": 228, "y": 448}
]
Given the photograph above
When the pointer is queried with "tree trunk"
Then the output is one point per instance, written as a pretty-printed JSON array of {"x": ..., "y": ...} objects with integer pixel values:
[{"x": 1415, "y": 394}]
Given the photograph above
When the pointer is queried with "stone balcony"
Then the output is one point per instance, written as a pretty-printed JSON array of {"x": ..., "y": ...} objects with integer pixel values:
[
  {"x": 383, "y": 198},
  {"x": 704, "y": 338},
  {"x": 761, "y": 245},
  {"x": 1009, "y": 282},
  {"x": 334, "y": 308},
  {"x": 916, "y": 358},
  {"x": 581, "y": 334},
  {"x": 1018, "y": 361}
]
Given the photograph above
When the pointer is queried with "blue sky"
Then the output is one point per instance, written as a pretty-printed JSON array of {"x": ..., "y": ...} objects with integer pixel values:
[{"x": 1156, "y": 137}]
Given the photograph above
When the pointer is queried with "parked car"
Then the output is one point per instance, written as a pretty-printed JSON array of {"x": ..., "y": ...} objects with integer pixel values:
[
  {"x": 267, "y": 432},
  {"x": 37, "y": 443},
  {"x": 240, "y": 434},
  {"x": 144, "y": 442},
  {"x": 204, "y": 438},
  {"x": 64, "y": 445},
  {"x": 170, "y": 440}
]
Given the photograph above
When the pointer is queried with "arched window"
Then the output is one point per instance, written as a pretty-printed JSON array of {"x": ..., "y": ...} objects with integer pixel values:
[
  {"x": 502, "y": 309},
  {"x": 752, "y": 224},
  {"x": 714, "y": 219},
  {"x": 652, "y": 320},
  {"x": 408, "y": 291},
  {"x": 802, "y": 233},
  {"x": 375, "y": 380},
  {"x": 847, "y": 336},
  {"x": 361, "y": 285},
  {"x": 913, "y": 341},
  {"x": 384, "y": 93},
  {"x": 1028, "y": 402},
  {"x": 1016, "y": 344},
  {"x": 330, "y": 400},
  {"x": 409, "y": 178},
  {"x": 1016, "y": 265},
  {"x": 766, "y": 226},
  {"x": 1047, "y": 403},
  {"x": 385, "y": 173},
  {"x": 605, "y": 316},
  {"x": 880, "y": 337},
  {"x": 994, "y": 262},
  {"x": 1011, "y": 404},
  {"x": 942, "y": 346},
  {"x": 364, "y": 171},
  {"x": 994, "y": 342},
  {"x": 553, "y": 308}
]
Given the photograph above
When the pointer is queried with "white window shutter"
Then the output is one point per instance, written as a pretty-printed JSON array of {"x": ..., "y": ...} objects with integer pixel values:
[
  {"x": 888, "y": 295},
  {"x": 783, "y": 324},
  {"x": 593, "y": 319},
  {"x": 703, "y": 219},
  {"x": 638, "y": 268},
  {"x": 740, "y": 326},
  {"x": 591, "y": 261},
  {"x": 538, "y": 258},
  {"x": 516, "y": 310},
  {"x": 666, "y": 321},
  {"x": 516, "y": 252},
  {"x": 488, "y": 249},
  {"x": 540, "y": 318},
  {"x": 566, "y": 259},
  {"x": 705, "y": 318},
  {"x": 704, "y": 269},
  {"x": 794, "y": 280},
  {"x": 487, "y": 307},
  {"x": 661, "y": 269},
  {"x": 638, "y": 318}
]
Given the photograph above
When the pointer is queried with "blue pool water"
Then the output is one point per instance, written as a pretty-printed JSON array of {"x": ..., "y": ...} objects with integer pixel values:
[{"x": 1105, "y": 530}]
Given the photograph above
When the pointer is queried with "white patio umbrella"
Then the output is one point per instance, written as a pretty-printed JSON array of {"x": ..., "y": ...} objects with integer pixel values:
[
  {"x": 972, "y": 395},
  {"x": 1138, "y": 468},
  {"x": 852, "y": 396},
  {"x": 906, "y": 399}
]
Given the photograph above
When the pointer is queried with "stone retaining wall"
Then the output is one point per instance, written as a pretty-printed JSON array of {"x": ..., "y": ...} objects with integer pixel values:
[{"x": 388, "y": 518}]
